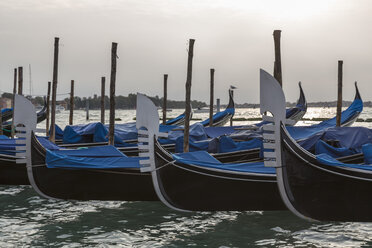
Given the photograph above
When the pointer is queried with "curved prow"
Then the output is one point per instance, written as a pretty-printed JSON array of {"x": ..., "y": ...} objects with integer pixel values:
[
  {"x": 357, "y": 94},
  {"x": 302, "y": 99},
  {"x": 24, "y": 123},
  {"x": 272, "y": 100},
  {"x": 147, "y": 123},
  {"x": 41, "y": 115},
  {"x": 231, "y": 99}
]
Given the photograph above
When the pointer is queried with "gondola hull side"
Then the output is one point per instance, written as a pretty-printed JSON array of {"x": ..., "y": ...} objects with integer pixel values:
[
  {"x": 194, "y": 188},
  {"x": 322, "y": 192}
]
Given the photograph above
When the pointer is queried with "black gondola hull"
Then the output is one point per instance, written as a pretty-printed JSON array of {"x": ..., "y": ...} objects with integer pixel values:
[
  {"x": 12, "y": 173},
  {"x": 188, "y": 187},
  {"x": 119, "y": 184},
  {"x": 321, "y": 192}
]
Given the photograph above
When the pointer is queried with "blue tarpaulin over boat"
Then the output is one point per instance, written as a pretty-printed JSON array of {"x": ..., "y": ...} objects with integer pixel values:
[
  {"x": 101, "y": 157},
  {"x": 97, "y": 132},
  {"x": 204, "y": 159},
  {"x": 335, "y": 152},
  {"x": 219, "y": 116},
  {"x": 303, "y": 132},
  {"x": 213, "y": 132},
  {"x": 328, "y": 160},
  {"x": 227, "y": 144},
  {"x": 197, "y": 132},
  {"x": 347, "y": 137},
  {"x": 7, "y": 145},
  {"x": 175, "y": 120},
  {"x": 6, "y": 110}
]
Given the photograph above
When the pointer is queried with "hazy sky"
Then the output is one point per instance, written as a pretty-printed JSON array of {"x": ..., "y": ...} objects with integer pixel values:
[{"x": 232, "y": 36}]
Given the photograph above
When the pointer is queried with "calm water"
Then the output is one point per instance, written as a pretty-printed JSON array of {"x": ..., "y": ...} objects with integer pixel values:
[{"x": 27, "y": 220}]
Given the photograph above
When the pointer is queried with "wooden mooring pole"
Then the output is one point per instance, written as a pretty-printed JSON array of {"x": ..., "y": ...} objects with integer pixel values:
[
  {"x": 87, "y": 109},
  {"x": 1, "y": 122},
  {"x": 232, "y": 95},
  {"x": 114, "y": 49},
  {"x": 339, "y": 94},
  {"x": 278, "y": 60},
  {"x": 165, "y": 98},
  {"x": 48, "y": 109},
  {"x": 188, "y": 96},
  {"x": 14, "y": 93},
  {"x": 71, "y": 119},
  {"x": 52, "y": 137},
  {"x": 211, "y": 98},
  {"x": 20, "y": 80},
  {"x": 218, "y": 105},
  {"x": 103, "y": 85}
]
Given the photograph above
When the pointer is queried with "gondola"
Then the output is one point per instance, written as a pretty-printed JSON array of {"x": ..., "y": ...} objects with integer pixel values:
[
  {"x": 196, "y": 181},
  {"x": 177, "y": 121},
  {"x": 106, "y": 174},
  {"x": 322, "y": 188},
  {"x": 225, "y": 157},
  {"x": 295, "y": 113},
  {"x": 41, "y": 116},
  {"x": 223, "y": 117},
  {"x": 316, "y": 187}
]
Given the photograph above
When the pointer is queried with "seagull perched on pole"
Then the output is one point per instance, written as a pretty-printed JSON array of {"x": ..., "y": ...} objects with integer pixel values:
[{"x": 232, "y": 87}]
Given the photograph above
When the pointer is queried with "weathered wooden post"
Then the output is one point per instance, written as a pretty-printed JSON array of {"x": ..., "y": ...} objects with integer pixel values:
[
  {"x": 114, "y": 49},
  {"x": 14, "y": 92},
  {"x": 20, "y": 80},
  {"x": 87, "y": 109},
  {"x": 52, "y": 137},
  {"x": 103, "y": 83},
  {"x": 339, "y": 95},
  {"x": 48, "y": 109},
  {"x": 1, "y": 122},
  {"x": 278, "y": 60},
  {"x": 165, "y": 99},
  {"x": 71, "y": 119},
  {"x": 232, "y": 95},
  {"x": 218, "y": 105},
  {"x": 211, "y": 97},
  {"x": 188, "y": 97}
]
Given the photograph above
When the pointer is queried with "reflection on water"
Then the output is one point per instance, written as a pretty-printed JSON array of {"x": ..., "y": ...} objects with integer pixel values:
[{"x": 28, "y": 220}]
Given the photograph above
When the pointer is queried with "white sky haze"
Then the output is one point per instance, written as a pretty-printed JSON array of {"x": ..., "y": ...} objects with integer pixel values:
[{"x": 232, "y": 36}]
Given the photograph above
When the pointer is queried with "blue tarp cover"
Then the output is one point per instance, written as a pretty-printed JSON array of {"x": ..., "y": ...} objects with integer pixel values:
[
  {"x": 213, "y": 132},
  {"x": 47, "y": 144},
  {"x": 101, "y": 157},
  {"x": 328, "y": 160},
  {"x": 303, "y": 132},
  {"x": 7, "y": 146},
  {"x": 5, "y": 110},
  {"x": 218, "y": 116},
  {"x": 335, "y": 152},
  {"x": 367, "y": 152},
  {"x": 174, "y": 120},
  {"x": 197, "y": 133},
  {"x": 97, "y": 132},
  {"x": 59, "y": 132},
  {"x": 347, "y": 137},
  {"x": 193, "y": 145},
  {"x": 204, "y": 159},
  {"x": 227, "y": 144}
]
